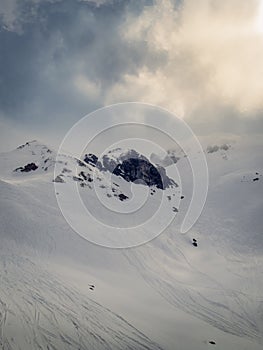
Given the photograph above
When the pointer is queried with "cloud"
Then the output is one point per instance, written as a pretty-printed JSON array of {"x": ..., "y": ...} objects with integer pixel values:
[
  {"x": 87, "y": 87},
  {"x": 65, "y": 57},
  {"x": 8, "y": 14},
  {"x": 61, "y": 59},
  {"x": 214, "y": 57},
  {"x": 57, "y": 43}
]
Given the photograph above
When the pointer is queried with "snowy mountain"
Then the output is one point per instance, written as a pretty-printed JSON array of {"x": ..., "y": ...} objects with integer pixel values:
[
  {"x": 59, "y": 291},
  {"x": 132, "y": 167}
]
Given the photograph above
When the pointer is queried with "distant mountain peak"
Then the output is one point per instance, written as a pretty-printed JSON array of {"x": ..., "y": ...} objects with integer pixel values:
[
  {"x": 28, "y": 143},
  {"x": 33, "y": 144}
]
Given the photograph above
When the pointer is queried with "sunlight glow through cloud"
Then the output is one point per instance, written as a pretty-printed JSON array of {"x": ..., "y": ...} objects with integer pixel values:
[{"x": 259, "y": 22}]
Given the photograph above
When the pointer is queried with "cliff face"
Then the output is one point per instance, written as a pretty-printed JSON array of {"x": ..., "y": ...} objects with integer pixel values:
[
  {"x": 132, "y": 167},
  {"x": 144, "y": 172}
]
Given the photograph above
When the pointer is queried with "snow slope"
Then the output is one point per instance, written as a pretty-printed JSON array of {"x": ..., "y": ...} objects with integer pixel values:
[
  {"x": 37, "y": 311},
  {"x": 174, "y": 294}
]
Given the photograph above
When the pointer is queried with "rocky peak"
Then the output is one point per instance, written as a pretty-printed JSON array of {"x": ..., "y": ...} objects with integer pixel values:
[{"x": 132, "y": 167}]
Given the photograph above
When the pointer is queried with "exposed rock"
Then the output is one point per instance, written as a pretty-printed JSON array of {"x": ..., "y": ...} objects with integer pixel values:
[
  {"x": 132, "y": 167},
  {"x": 76, "y": 178},
  {"x": 225, "y": 147},
  {"x": 91, "y": 159},
  {"x": 27, "y": 168},
  {"x": 83, "y": 175},
  {"x": 80, "y": 163},
  {"x": 26, "y": 144},
  {"x": 59, "y": 179},
  {"x": 108, "y": 164},
  {"x": 142, "y": 171},
  {"x": 122, "y": 197},
  {"x": 212, "y": 149},
  {"x": 65, "y": 170},
  {"x": 215, "y": 148}
]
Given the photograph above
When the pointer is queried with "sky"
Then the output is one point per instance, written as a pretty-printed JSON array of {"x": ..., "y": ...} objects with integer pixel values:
[{"x": 62, "y": 59}]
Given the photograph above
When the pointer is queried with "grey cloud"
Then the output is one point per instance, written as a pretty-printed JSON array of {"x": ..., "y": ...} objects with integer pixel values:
[
  {"x": 56, "y": 42},
  {"x": 213, "y": 62},
  {"x": 61, "y": 59}
]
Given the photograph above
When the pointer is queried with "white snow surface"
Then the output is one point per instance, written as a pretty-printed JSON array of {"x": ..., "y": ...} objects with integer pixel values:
[{"x": 165, "y": 294}]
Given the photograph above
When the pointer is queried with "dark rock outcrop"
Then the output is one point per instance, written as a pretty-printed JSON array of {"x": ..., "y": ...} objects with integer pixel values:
[
  {"x": 142, "y": 171},
  {"x": 132, "y": 167},
  {"x": 123, "y": 197},
  {"x": 27, "y": 168},
  {"x": 195, "y": 242},
  {"x": 91, "y": 159}
]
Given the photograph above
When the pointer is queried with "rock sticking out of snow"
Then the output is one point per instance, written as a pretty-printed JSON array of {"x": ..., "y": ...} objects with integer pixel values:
[{"x": 27, "y": 168}]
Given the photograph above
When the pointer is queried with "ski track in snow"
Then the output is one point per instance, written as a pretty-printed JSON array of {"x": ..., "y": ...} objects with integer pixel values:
[
  {"x": 224, "y": 290},
  {"x": 38, "y": 312},
  {"x": 220, "y": 282},
  {"x": 231, "y": 311}
]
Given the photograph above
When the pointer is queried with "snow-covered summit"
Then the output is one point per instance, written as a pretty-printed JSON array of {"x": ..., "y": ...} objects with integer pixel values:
[{"x": 31, "y": 158}]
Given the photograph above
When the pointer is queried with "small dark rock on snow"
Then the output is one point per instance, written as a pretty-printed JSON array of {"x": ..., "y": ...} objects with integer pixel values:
[
  {"x": 123, "y": 197},
  {"x": 58, "y": 179},
  {"x": 194, "y": 242},
  {"x": 27, "y": 168},
  {"x": 212, "y": 342}
]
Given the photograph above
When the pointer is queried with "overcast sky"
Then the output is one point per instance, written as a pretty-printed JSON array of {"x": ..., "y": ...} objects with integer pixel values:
[{"x": 61, "y": 59}]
